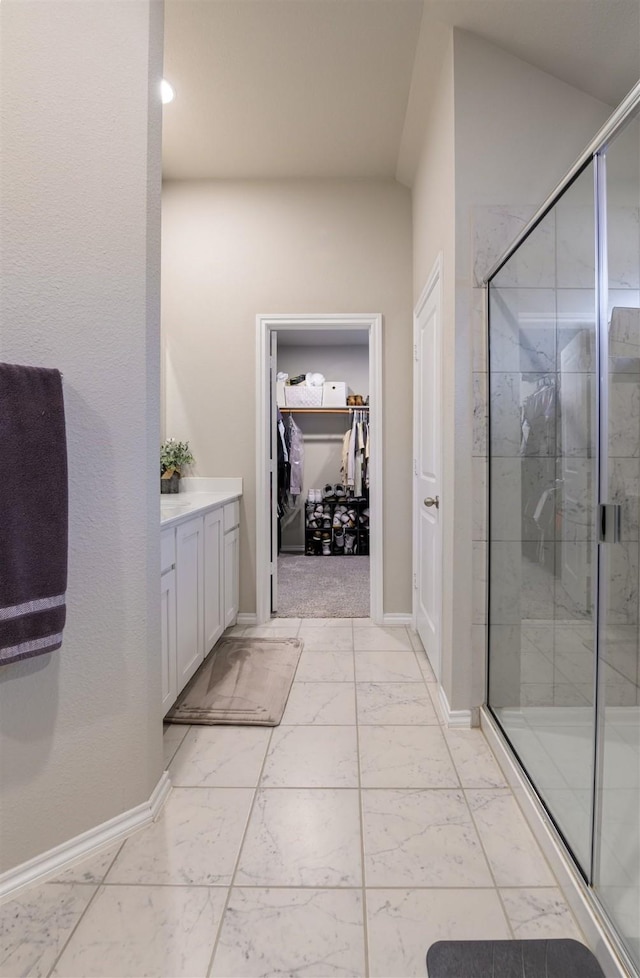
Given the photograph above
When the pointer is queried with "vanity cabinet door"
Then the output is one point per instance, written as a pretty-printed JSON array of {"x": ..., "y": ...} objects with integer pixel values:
[
  {"x": 169, "y": 637},
  {"x": 231, "y": 576},
  {"x": 189, "y": 597},
  {"x": 213, "y": 579}
]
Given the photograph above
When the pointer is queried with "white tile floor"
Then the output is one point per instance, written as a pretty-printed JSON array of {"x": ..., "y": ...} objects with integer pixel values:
[{"x": 343, "y": 842}]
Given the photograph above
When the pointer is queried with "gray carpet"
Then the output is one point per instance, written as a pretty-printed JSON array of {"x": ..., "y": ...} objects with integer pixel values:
[{"x": 323, "y": 587}]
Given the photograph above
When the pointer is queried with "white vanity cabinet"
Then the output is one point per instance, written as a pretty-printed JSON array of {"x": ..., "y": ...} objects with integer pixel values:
[
  {"x": 231, "y": 563},
  {"x": 214, "y": 554},
  {"x": 168, "y": 612},
  {"x": 189, "y": 597},
  {"x": 199, "y": 591}
]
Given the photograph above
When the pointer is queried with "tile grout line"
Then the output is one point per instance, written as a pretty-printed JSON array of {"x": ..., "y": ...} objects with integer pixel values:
[
  {"x": 304, "y": 886},
  {"x": 442, "y": 727},
  {"x": 98, "y": 887},
  {"x": 188, "y": 726},
  {"x": 365, "y": 924},
  {"x": 488, "y": 861},
  {"x": 238, "y": 857}
]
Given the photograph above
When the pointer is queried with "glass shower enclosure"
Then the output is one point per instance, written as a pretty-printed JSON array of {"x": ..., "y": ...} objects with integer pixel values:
[{"x": 564, "y": 521}]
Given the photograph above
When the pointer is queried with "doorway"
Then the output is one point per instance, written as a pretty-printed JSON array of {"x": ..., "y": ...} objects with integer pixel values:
[{"x": 319, "y": 551}]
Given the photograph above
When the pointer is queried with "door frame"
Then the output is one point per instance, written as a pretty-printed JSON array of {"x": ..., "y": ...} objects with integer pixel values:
[
  {"x": 433, "y": 283},
  {"x": 372, "y": 323}
]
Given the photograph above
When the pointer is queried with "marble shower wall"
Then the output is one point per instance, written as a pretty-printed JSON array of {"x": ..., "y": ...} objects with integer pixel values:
[{"x": 542, "y": 633}]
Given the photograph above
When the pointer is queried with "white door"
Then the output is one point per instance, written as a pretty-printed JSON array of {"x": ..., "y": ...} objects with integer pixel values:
[
  {"x": 577, "y": 429},
  {"x": 273, "y": 468},
  {"x": 427, "y": 469}
]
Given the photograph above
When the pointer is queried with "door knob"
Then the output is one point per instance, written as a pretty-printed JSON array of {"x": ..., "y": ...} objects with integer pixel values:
[{"x": 432, "y": 501}]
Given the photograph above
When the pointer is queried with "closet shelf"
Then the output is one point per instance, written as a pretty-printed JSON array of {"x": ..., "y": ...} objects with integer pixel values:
[{"x": 321, "y": 410}]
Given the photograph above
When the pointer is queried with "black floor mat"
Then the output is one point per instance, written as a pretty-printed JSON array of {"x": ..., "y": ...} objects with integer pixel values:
[{"x": 560, "y": 958}]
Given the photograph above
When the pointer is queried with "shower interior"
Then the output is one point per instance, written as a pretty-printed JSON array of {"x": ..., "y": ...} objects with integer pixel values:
[{"x": 564, "y": 522}]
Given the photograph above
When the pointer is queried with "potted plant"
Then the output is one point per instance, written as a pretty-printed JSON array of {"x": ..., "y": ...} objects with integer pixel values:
[{"x": 173, "y": 455}]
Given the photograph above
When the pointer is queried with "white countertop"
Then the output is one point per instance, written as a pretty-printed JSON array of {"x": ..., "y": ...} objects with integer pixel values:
[{"x": 180, "y": 506}]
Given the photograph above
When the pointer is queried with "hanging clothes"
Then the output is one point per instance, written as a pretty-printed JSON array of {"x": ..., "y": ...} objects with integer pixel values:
[
  {"x": 296, "y": 458},
  {"x": 538, "y": 420},
  {"x": 284, "y": 466},
  {"x": 356, "y": 454}
]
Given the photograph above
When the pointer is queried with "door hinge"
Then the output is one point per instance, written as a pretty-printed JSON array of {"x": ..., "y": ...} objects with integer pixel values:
[
  {"x": 415, "y": 466},
  {"x": 415, "y": 582},
  {"x": 415, "y": 352}
]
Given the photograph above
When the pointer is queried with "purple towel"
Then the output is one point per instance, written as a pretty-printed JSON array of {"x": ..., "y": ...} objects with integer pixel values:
[{"x": 33, "y": 512}]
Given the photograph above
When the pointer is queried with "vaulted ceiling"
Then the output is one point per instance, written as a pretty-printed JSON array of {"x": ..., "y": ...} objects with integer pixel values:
[{"x": 319, "y": 88}]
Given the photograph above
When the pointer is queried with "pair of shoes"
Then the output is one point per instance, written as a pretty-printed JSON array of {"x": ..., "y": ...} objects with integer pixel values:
[
  {"x": 341, "y": 516},
  {"x": 326, "y": 544},
  {"x": 338, "y": 541},
  {"x": 350, "y": 542},
  {"x": 331, "y": 493},
  {"x": 314, "y": 496},
  {"x": 355, "y": 400}
]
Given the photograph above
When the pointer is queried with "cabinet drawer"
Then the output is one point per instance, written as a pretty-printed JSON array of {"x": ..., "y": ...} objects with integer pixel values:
[
  {"x": 231, "y": 515},
  {"x": 167, "y": 549}
]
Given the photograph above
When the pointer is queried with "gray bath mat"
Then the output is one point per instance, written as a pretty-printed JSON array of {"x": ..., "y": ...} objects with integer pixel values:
[
  {"x": 243, "y": 681},
  {"x": 555, "y": 958}
]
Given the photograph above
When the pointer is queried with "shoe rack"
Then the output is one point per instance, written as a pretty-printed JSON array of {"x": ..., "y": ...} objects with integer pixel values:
[{"x": 337, "y": 525}]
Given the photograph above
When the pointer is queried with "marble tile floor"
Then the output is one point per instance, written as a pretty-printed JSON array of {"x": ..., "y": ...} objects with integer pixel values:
[
  {"x": 343, "y": 842},
  {"x": 557, "y": 746}
]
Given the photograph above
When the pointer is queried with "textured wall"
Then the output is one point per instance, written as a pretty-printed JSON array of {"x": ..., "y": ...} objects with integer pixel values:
[
  {"x": 232, "y": 250},
  {"x": 80, "y": 729}
]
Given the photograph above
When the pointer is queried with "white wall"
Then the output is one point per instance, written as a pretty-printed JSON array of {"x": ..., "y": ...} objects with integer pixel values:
[
  {"x": 348, "y": 363},
  {"x": 518, "y": 131},
  {"x": 80, "y": 729},
  {"x": 499, "y": 136},
  {"x": 232, "y": 250},
  {"x": 434, "y": 233},
  {"x": 323, "y": 433}
]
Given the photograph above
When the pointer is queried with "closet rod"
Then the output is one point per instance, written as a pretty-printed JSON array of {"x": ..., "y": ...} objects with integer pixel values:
[
  {"x": 307, "y": 410},
  {"x": 308, "y": 438}
]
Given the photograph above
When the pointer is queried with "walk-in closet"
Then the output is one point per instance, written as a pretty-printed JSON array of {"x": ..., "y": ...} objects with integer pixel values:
[{"x": 324, "y": 469}]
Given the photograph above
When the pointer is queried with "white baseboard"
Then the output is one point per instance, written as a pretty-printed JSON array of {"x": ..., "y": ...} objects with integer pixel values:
[
  {"x": 393, "y": 618},
  {"x": 247, "y": 618},
  {"x": 453, "y": 718},
  {"x": 55, "y": 861},
  {"x": 581, "y": 899}
]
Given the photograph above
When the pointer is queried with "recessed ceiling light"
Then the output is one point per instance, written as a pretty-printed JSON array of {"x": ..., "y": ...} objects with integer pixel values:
[{"x": 167, "y": 93}]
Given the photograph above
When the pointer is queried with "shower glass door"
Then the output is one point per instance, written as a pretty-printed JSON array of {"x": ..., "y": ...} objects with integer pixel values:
[
  {"x": 543, "y": 438},
  {"x": 616, "y": 868}
]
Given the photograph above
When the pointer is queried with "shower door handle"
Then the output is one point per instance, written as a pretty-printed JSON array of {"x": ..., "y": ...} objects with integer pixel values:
[{"x": 610, "y": 521}]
